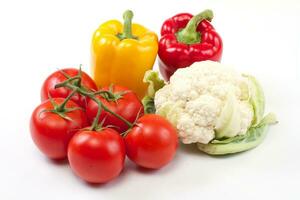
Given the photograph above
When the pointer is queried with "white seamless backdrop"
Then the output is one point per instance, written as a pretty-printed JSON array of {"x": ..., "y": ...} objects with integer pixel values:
[{"x": 260, "y": 38}]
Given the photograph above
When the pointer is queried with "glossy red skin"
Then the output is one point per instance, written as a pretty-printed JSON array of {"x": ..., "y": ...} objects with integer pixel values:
[
  {"x": 173, "y": 54},
  {"x": 58, "y": 77},
  {"x": 97, "y": 157},
  {"x": 129, "y": 106},
  {"x": 152, "y": 142},
  {"x": 50, "y": 132}
]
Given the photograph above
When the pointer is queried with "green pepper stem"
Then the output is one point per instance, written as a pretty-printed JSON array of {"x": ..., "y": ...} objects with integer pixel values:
[
  {"x": 127, "y": 27},
  {"x": 189, "y": 34}
]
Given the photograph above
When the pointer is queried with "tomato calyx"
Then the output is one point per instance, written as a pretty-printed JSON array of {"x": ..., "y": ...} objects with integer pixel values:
[
  {"x": 124, "y": 134},
  {"x": 100, "y": 127},
  {"x": 110, "y": 95},
  {"x": 60, "y": 109}
]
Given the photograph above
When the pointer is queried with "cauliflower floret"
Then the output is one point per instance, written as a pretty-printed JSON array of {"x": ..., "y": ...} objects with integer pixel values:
[
  {"x": 202, "y": 90},
  {"x": 164, "y": 95},
  {"x": 203, "y": 110},
  {"x": 197, "y": 124}
]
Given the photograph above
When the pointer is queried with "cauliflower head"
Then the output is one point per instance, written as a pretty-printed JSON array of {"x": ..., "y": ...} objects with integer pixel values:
[{"x": 207, "y": 101}]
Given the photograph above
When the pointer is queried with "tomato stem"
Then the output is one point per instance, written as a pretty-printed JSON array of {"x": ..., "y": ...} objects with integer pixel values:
[
  {"x": 62, "y": 84},
  {"x": 100, "y": 106},
  {"x": 117, "y": 116},
  {"x": 92, "y": 96},
  {"x": 78, "y": 82},
  {"x": 61, "y": 107},
  {"x": 96, "y": 119}
]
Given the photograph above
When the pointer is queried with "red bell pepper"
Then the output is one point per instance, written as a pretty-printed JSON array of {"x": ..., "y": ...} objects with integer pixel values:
[{"x": 186, "y": 39}]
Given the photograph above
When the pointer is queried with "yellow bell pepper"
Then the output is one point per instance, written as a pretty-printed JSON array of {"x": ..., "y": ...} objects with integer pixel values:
[{"x": 121, "y": 54}]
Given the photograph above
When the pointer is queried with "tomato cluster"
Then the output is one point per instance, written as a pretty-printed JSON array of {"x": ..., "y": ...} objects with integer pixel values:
[{"x": 96, "y": 129}]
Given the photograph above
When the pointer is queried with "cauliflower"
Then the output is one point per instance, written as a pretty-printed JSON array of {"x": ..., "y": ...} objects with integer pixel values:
[
  {"x": 205, "y": 88},
  {"x": 212, "y": 105}
]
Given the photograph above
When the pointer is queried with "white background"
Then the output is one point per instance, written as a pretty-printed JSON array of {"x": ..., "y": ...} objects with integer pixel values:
[{"x": 260, "y": 37}]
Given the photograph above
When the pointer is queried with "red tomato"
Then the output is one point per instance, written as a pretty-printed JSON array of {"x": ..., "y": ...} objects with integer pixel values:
[
  {"x": 97, "y": 156},
  {"x": 52, "y": 133},
  {"x": 128, "y": 106},
  {"x": 58, "y": 77},
  {"x": 152, "y": 142}
]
